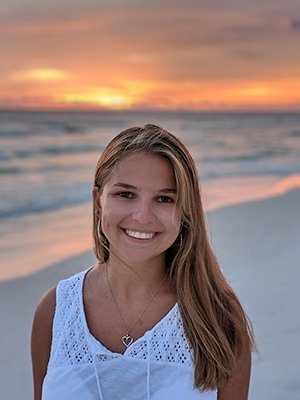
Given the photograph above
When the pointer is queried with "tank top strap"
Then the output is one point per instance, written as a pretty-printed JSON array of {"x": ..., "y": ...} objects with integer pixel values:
[{"x": 69, "y": 343}]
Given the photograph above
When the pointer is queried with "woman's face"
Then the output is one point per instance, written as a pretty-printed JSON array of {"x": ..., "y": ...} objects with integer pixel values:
[{"x": 139, "y": 215}]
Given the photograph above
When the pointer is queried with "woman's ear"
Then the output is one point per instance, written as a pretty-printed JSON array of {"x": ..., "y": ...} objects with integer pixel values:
[{"x": 96, "y": 197}]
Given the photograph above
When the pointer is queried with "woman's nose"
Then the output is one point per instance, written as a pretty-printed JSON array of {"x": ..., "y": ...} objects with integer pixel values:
[{"x": 143, "y": 213}]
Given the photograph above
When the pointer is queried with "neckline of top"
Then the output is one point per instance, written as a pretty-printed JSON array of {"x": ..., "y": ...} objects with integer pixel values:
[{"x": 96, "y": 344}]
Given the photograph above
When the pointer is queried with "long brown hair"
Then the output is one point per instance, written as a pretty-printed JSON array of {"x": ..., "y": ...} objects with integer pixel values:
[{"x": 214, "y": 321}]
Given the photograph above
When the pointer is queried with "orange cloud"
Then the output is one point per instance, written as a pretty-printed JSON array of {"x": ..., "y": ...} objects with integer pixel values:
[
  {"x": 39, "y": 75},
  {"x": 188, "y": 95}
]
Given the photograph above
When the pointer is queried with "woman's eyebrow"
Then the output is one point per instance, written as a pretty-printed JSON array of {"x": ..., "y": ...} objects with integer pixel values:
[
  {"x": 168, "y": 191},
  {"x": 128, "y": 186},
  {"x": 125, "y": 185}
]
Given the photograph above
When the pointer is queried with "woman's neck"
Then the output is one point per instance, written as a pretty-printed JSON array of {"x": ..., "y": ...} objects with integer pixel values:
[{"x": 135, "y": 280}]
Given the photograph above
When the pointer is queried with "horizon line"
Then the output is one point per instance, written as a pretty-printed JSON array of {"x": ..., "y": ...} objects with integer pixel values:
[{"x": 259, "y": 110}]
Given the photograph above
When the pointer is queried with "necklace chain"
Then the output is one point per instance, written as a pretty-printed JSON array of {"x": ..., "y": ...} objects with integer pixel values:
[{"x": 127, "y": 339}]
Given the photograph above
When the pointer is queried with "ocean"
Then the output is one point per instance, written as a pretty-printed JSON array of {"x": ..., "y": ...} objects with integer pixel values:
[{"x": 47, "y": 163}]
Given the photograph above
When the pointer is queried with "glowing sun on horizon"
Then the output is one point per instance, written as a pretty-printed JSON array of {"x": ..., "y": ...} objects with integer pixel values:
[{"x": 105, "y": 98}]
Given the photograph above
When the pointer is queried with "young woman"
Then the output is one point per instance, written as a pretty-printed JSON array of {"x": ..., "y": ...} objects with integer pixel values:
[{"x": 155, "y": 318}]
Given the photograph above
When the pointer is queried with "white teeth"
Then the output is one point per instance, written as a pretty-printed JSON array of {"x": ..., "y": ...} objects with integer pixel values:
[{"x": 139, "y": 235}]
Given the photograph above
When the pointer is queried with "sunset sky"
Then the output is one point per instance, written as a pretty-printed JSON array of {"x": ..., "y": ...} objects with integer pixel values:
[{"x": 136, "y": 54}]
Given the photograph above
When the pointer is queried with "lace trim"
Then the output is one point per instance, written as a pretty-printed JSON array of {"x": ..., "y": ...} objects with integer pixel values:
[
  {"x": 73, "y": 344},
  {"x": 167, "y": 342},
  {"x": 69, "y": 344}
]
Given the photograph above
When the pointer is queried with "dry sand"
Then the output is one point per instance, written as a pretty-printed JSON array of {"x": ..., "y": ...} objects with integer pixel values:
[{"x": 257, "y": 245}]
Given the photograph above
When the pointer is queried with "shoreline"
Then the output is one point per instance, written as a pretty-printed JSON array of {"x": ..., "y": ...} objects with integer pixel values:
[{"x": 257, "y": 245}]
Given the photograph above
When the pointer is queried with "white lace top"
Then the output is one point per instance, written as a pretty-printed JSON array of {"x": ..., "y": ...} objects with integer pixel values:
[{"x": 157, "y": 366}]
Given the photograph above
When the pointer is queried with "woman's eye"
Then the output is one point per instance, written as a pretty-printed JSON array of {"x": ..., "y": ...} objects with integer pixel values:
[
  {"x": 126, "y": 195},
  {"x": 165, "y": 199}
]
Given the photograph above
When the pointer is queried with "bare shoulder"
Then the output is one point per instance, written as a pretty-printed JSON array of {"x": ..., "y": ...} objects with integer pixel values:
[
  {"x": 44, "y": 313},
  {"x": 41, "y": 338}
]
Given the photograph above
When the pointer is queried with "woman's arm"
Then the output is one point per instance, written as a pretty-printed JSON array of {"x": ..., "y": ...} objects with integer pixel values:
[
  {"x": 41, "y": 338},
  {"x": 238, "y": 385}
]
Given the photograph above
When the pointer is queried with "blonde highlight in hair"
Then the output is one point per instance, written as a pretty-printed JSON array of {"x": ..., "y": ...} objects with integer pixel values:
[{"x": 214, "y": 321}]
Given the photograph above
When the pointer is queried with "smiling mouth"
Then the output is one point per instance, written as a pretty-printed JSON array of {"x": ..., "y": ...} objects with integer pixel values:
[{"x": 139, "y": 235}]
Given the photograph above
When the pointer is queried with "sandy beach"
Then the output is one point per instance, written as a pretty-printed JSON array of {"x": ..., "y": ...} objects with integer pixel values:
[{"x": 257, "y": 244}]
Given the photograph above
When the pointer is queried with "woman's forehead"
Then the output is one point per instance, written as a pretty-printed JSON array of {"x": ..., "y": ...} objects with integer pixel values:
[{"x": 144, "y": 168}]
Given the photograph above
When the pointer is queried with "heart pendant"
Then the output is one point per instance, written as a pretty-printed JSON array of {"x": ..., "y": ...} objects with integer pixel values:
[{"x": 127, "y": 340}]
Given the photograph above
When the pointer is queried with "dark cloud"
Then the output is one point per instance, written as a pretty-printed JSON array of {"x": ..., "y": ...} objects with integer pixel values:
[{"x": 295, "y": 24}]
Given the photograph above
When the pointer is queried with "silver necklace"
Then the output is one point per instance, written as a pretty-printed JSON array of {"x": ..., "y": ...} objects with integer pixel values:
[{"x": 127, "y": 339}]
